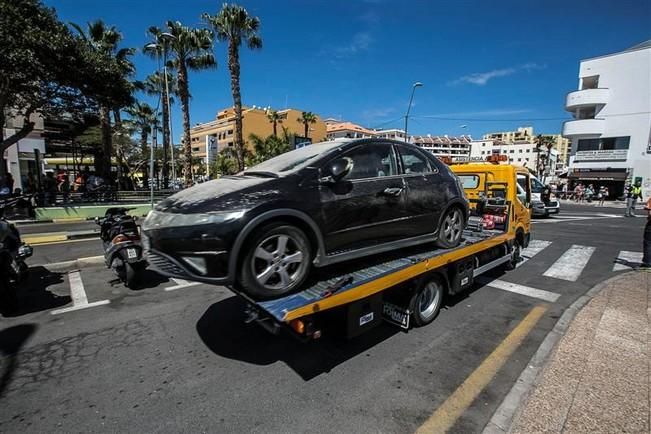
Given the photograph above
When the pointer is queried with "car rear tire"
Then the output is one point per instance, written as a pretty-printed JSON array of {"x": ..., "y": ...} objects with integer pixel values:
[
  {"x": 277, "y": 261},
  {"x": 451, "y": 228}
]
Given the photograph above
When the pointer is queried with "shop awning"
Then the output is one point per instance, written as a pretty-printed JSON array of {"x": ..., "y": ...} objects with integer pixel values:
[{"x": 599, "y": 176}]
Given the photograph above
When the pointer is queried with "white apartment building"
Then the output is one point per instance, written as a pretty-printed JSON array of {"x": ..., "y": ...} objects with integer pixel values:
[
  {"x": 444, "y": 146},
  {"x": 520, "y": 154},
  {"x": 611, "y": 126},
  {"x": 392, "y": 133}
]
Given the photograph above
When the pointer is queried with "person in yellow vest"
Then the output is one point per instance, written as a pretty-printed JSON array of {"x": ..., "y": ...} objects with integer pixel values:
[{"x": 632, "y": 193}]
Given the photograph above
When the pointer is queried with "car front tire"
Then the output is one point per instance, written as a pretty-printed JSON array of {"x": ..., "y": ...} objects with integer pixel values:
[{"x": 277, "y": 261}]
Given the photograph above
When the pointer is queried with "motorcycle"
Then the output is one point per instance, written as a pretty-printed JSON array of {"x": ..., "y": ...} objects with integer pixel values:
[
  {"x": 13, "y": 252},
  {"x": 122, "y": 245}
]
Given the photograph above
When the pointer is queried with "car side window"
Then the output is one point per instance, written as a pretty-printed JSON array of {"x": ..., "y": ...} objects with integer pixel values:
[
  {"x": 413, "y": 162},
  {"x": 371, "y": 161}
]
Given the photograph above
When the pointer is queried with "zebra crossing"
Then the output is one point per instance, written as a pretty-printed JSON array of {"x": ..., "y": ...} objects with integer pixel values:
[
  {"x": 567, "y": 267},
  {"x": 573, "y": 261}
]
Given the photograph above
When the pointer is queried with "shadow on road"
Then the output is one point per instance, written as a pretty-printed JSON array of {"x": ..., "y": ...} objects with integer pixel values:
[
  {"x": 11, "y": 340},
  {"x": 33, "y": 294},
  {"x": 224, "y": 332}
]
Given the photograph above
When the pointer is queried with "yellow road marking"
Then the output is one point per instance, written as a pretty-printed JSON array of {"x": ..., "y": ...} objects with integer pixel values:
[
  {"x": 38, "y": 242},
  {"x": 447, "y": 414},
  {"x": 43, "y": 239}
]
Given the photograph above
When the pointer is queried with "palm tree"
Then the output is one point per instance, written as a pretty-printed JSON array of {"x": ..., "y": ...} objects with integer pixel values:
[
  {"x": 158, "y": 49},
  {"x": 155, "y": 85},
  {"x": 306, "y": 119},
  {"x": 275, "y": 118},
  {"x": 234, "y": 25},
  {"x": 191, "y": 50},
  {"x": 104, "y": 40},
  {"x": 267, "y": 148},
  {"x": 543, "y": 142}
]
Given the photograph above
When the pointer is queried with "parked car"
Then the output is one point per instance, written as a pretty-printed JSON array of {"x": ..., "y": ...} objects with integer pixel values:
[
  {"x": 264, "y": 228},
  {"x": 543, "y": 202}
]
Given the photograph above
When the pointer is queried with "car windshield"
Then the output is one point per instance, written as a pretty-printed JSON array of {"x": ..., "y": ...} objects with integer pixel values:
[
  {"x": 536, "y": 186},
  {"x": 293, "y": 160}
]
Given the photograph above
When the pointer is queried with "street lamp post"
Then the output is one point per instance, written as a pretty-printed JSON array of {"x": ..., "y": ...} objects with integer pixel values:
[
  {"x": 154, "y": 136},
  {"x": 168, "y": 36},
  {"x": 411, "y": 99}
]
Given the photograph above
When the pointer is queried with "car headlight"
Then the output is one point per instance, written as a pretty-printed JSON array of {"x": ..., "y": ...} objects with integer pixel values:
[{"x": 158, "y": 219}]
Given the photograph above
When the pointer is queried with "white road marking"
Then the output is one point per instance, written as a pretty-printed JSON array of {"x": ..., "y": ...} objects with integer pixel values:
[
  {"x": 181, "y": 283},
  {"x": 519, "y": 289},
  {"x": 571, "y": 264},
  {"x": 626, "y": 260},
  {"x": 78, "y": 295},
  {"x": 535, "y": 247},
  {"x": 557, "y": 218}
]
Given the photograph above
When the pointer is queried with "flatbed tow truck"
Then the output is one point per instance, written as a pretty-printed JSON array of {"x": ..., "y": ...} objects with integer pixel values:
[{"x": 407, "y": 287}]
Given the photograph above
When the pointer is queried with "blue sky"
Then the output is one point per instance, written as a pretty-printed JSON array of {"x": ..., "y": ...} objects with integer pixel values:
[{"x": 488, "y": 65}]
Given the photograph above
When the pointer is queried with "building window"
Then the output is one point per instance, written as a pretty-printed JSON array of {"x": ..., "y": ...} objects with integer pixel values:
[
  {"x": 520, "y": 151},
  {"x": 519, "y": 159},
  {"x": 230, "y": 143},
  {"x": 511, "y": 151},
  {"x": 195, "y": 149},
  {"x": 229, "y": 133},
  {"x": 604, "y": 143}
]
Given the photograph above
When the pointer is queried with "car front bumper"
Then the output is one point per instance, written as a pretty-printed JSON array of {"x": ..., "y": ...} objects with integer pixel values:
[{"x": 542, "y": 209}]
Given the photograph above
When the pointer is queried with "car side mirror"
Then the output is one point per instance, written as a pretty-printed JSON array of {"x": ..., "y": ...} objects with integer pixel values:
[{"x": 96, "y": 220}]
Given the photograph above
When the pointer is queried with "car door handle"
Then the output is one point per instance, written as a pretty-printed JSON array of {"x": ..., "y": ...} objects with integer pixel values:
[{"x": 392, "y": 191}]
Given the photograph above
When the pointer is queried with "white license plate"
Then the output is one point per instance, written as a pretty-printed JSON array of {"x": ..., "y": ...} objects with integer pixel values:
[
  {"x": 132, "y": 254},
  {"x": 396, "y": 315}
]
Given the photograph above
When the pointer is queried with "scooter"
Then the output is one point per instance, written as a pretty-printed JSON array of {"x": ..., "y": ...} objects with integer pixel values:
[
  {"x": 13, "y": 252},
  {"x": 122, "y": 245}
]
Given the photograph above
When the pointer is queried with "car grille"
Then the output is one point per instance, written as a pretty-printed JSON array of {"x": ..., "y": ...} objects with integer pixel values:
[{"x": 164, "y": 265}]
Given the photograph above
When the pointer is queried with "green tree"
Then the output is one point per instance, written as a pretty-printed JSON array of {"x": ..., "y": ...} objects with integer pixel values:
[
  {"x": 104, "y": 41},
  {"x": 45, "y": 70},
  {"x": 234, "y": 25},
  {"x": 306, "y": 119},
  {"x": 191, "y": 50},
  {"x": 142, "y": 119},
  {"x": 275, "y": 118},
  {"x": 158, "y": 49},
  {"x": 543, "y": 143},
  {"x": 265, "y": 149},
  {"x": 225, "y": 163}
]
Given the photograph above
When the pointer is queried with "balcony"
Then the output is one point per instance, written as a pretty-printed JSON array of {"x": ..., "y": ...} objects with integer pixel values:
[
  {"x": 583, "y": 127},
  {"x": 586, "y": 97}
]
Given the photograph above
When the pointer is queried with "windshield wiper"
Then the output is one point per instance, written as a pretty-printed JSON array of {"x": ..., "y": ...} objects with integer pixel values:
[{"x": 261, "y": 173}]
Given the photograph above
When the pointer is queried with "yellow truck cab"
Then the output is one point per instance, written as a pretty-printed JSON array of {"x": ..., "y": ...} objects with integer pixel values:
[{"x": 491, "y": 187}]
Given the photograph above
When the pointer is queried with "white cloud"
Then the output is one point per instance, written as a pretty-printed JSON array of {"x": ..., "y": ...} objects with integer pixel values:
[
  {"x": 360, "y": 42},
  {"x": 481, "y": 78}
]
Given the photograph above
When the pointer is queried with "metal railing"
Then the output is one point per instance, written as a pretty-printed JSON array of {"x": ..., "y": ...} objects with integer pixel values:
[{"x": 100, "y": 196}]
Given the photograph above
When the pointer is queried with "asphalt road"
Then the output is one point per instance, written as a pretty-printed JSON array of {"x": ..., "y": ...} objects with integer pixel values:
[{"x": 182, "y": 359}]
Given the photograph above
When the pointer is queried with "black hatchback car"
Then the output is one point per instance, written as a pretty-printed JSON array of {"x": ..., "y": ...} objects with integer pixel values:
[{"x": 318, "y": 205}]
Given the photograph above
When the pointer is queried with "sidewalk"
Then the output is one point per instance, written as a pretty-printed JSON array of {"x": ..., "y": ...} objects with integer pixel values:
[{"x": 596, "y": 379}]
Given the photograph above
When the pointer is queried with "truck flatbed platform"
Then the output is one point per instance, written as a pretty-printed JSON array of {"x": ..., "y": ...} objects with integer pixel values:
[{"x": 345, "y": 283}]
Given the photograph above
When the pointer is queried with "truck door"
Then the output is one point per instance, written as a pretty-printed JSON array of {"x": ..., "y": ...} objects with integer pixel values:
[{"x": 522, "y": 202}]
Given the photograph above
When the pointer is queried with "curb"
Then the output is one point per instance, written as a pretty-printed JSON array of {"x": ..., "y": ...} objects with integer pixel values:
[
  {"x": 74, "y": 264},
  {"x": 503, "y": 418},
  {"x": 57, "y": 237}
]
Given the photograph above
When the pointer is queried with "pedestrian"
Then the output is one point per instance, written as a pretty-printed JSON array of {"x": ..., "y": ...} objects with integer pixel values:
[
  {"x": 565, "y": 190},
  {"x": 589, "y": 193},
  {"x": 646, "y": 244},
  {"x": 603, "y": 193},
  {"x": 632, "y": 193}
]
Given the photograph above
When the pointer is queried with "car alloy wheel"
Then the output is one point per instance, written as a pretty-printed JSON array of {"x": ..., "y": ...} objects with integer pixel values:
[
  {"x": 452, "y": 226},
  {"x": 279, "y": 262}
]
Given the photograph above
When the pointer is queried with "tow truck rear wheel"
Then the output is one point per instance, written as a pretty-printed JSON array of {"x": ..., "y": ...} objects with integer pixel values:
[{"x": 426, "y": 302}]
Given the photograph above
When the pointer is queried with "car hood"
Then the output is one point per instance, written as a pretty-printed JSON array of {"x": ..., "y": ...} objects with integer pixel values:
[{"x": 226, "y": 193}]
